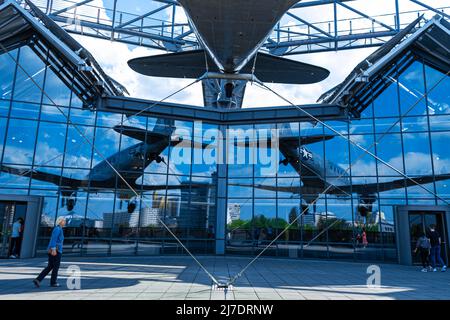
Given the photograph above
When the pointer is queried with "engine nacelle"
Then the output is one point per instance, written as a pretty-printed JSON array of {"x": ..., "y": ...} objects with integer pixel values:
[
  {"x": 364, "y": 209},
  {"x": 70, "y": 203},
  {"x": 305, "y": 208},
  {"x": 131, "y": 207}
]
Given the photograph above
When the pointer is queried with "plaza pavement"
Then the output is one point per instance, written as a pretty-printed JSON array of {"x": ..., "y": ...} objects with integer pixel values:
[{"x": 179, "y": 277}]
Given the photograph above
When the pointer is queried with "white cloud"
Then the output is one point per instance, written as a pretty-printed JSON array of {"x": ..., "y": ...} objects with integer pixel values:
[{"x": 113, "y": 57}]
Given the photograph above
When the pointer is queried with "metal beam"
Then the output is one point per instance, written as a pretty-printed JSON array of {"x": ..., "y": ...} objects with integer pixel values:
[
  {"x": 156, "y": 30},
  {"x": 143, "y": 16},
  {"x": 219, "y": 116},
  {"x": 431, "y": 8},
  {"x": 364, "y": 15},
  {"x": 72, "y": 7},
  {"x": 309, "y": 24}
]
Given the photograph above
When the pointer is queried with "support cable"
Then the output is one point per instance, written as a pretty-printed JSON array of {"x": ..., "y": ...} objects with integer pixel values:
[
  {"x": 108, "y": 162},
  {"x": 238, "y": 275}
]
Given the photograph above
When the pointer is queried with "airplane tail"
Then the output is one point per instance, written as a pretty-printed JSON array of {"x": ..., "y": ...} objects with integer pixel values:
[
  {"x": 164, "y": 126},
  {"x": 162, "y": 129}
]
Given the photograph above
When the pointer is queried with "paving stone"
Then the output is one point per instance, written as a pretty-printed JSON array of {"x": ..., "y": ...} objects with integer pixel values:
[{"x": 149, "y": 278}]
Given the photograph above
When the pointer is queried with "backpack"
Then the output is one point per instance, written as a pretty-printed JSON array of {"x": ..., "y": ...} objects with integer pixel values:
[{"x": 424, "y": 243}]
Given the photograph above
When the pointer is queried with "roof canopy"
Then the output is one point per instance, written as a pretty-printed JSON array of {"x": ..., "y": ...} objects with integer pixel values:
[
  {"x": 66, "y": 57},
  {"x": 431, "y": 43}
]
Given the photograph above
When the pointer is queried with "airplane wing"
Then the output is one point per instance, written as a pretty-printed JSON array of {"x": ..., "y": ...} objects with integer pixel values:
[
  {"x": 170, "y": 187},
  {"x": 293, "y": 189},
  {"x": 152, "y": 136},
  {"x": 292, "y": 142},
  {"x": 141, "y": 134},
  {"x": 42, "y": 176},
  {"x": 192, "y": 65},
  {"x": 369, "y": 188},
  {"x": 295, "y": 142},
  {"x": 395, "y": 184}
]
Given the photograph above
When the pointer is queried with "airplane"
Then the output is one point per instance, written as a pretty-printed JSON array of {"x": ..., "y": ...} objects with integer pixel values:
[
  {"x": 129, "y": 163},
  {"x": 231, "y": 34},
  {"x": 316, "y": 177}
]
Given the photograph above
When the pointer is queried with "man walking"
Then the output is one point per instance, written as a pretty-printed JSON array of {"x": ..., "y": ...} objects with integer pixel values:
[
  {"x": 435, "y": 252},
  {"x": 54, "y": 248},
  {"x": 16, "y": 238}
]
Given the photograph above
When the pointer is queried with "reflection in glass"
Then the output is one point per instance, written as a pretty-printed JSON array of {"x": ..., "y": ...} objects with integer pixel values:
[
  {"x": 29, "y": 77},
  {"x": 20, "y": 142}
]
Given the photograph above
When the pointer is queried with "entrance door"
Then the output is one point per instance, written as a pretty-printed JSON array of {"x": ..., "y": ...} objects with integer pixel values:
[
  {"x": 420, "y": 222},
  {"x": 9, "y": 213}
]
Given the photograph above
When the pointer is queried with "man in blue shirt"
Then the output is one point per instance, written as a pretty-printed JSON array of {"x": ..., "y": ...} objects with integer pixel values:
[{"x": 55, "y": 248}]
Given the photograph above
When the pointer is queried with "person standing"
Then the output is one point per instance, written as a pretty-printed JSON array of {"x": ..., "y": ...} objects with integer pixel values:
[
  {"x": 15, "y": 238},
  {"x": 435, "y": 239},
  {"x": 423, "y": 246},
  {"x": 55, "y": 248},
  {"x": 364, "y": 238}
]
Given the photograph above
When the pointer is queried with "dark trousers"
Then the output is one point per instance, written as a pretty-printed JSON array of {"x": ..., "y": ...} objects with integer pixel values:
[
  {"x": 436, "y": 256},
  {"x": 15, "y": 246},
  {"x": 424, "y": 254},
  {"x": 53, "y": 266}
]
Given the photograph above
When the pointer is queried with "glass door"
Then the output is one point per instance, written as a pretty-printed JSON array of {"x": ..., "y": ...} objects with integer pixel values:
[
  {"x": 9, "y": 212},
  {"x": 420, "y": 222},
  {"x": 6, "y": 221}
]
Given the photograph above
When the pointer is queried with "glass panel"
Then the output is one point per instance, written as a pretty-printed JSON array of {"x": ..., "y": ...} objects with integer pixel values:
[
  {"x": 78, "y": 116},
  {"x": 361, "y": 126},
  {"x": 78, "y": 150},
  {"x": 288, "y": 212},
  {"x": 96, "y": 238},
  {"x": 339, "y": 224},
  {"x": 206, "y": 142},
  {"x": 387, "y": 125},
  {"x": 362, "y": 163},
  {"x": 20, "y": 141},
  {"x": 385, "y": 218},
  {"x": 417, "y": 154},
  {"x": 56, "y": 92},
  {"x": 50, "y": 144},
  {"x": 337, "y": 154},
  {"x": 25, "y": 110},
  {"x": 368, "y": 236},
  {"x": 239, "y": 161},
  {"x": 54, "y": 114},
  {"x": 314, "y": 235},
  {"x": 239, "y": 226},
  {"x": 416, "y": 228},
  {"x": 386, "y": 104},
  {"x": 389, "y": 149},
  {"x": 29, "y": 83},
  {"x": 3, "y": 122},
  {"x": 438, "y": 93},
  {"x": 440, "y": 123},
  {"x": 7, "y": 69},
  {"x": 411, "y": 88}
]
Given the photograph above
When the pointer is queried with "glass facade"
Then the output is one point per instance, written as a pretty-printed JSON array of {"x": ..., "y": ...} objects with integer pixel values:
[{"x": 59, "y": 153}]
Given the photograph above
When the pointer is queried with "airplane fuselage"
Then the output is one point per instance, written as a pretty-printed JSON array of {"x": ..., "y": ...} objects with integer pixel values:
[
  {"x": 314, "y": 171},
  {"x": 129, "y": 163}
]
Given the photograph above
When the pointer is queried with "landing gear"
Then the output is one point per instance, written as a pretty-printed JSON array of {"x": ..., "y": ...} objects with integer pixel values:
[
  {"x": 365, "y": 206},
  {"x": 70, "y": 204},
  {"x": 160, "y": 159},
  {"x": 284, "y": 161},
  {"x": 68, "y": 200},
  {"x": 131, "y": 207},
  {"x": 305, "y": 209}
]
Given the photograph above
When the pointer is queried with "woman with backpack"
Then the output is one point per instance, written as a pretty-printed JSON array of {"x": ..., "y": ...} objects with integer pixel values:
[{"x": 423, "y": 245}]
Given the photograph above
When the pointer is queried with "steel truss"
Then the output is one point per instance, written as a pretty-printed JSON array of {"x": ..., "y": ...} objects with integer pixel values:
[{"x": 159, "y": 29}]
